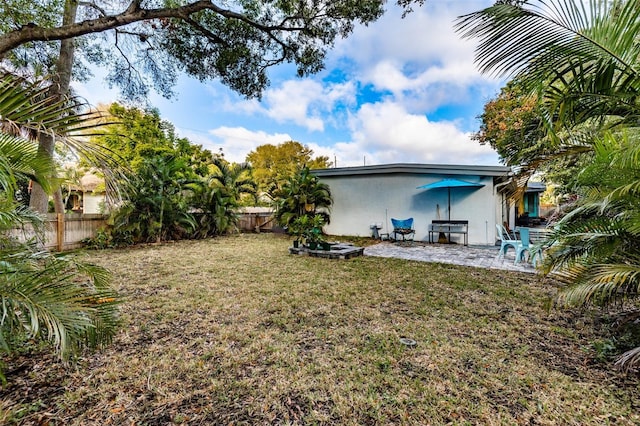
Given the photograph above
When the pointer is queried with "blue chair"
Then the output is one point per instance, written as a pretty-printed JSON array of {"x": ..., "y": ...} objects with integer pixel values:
[
  {"x": 403, "y": 227},
  {"x": 535, "y": 252},
  {"x": 506, "y": 240}
]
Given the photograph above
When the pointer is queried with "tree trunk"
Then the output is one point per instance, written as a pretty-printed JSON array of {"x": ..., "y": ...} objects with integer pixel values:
[
  {"x": 59, "y": 88},
  {"x": 39, "y": 200}
]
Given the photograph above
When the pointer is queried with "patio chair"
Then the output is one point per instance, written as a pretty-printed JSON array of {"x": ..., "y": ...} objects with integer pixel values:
[
  {"x": 511, "y": 234},
  {"x": 506, "y": 241},
  {"x": 534, "y": 251},
  {"x": 403, "y": 227}
]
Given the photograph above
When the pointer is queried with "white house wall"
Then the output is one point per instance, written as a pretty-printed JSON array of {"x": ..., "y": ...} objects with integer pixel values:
[
  {"x": 92, "y": 204},
  {"x": 362, "y": 200}
]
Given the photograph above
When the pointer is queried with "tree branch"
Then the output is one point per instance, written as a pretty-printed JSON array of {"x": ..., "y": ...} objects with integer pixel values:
[
  {"x": 133, "y": 13},
  {"x": 92, "y": 5},
  {"x": 208, "y": 34}
]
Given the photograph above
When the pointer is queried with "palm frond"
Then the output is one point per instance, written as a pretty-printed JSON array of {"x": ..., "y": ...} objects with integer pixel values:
[
  {"x": 536, "y": 39},
  {"x": 583, "y": 56},
  {"x": 629, "y": 359},
  {"x": 601, "y": 284},
  {"x": 26, "y": 106},
  {"x": 41, "y": 296},
  {"x": 19, "y": 157},
  {"x": 28, "y": 109}
]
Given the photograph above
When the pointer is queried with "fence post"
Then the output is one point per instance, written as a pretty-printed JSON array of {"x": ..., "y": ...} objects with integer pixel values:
[{"x": 60, "y": 233}]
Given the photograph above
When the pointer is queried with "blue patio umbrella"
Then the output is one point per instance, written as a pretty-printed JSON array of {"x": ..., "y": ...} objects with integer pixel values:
[{"x": 450, "y": 183}]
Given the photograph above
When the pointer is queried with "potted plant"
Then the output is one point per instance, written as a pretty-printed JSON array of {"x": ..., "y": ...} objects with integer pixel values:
[
  {"x": 295, "y": 229},
  {"x": 312, "y": 230}
]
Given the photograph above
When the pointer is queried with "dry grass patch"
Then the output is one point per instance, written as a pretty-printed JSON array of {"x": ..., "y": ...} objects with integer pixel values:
[{"x": 236, "y": 331}]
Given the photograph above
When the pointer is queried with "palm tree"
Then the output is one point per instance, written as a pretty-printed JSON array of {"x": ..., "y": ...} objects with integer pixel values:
[
  {"x": 156, "y": 207},
  {"x": 583, "y": 62},
  {"x": 45, "y": 297},
  {"x": 218, "y": 197},
  {"x": 234, "y": 179},
  {"x": 302, "y": 194}
]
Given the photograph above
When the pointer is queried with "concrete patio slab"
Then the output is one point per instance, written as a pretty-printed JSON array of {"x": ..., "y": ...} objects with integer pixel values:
[{"x": 481, "y": 257}]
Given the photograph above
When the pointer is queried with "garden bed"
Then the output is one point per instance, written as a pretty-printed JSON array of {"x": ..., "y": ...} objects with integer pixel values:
[{"x": 336, "y": 251}]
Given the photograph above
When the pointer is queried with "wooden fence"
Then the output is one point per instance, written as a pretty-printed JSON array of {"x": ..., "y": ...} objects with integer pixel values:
[
  {"x": 66, "y": 231},
  {"x": 258, "y": 221}
]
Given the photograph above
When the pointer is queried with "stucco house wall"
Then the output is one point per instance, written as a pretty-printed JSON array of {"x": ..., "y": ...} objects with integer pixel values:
[
  {"x": 92, "y": 203},
  {"x": 367, "y": 195}
]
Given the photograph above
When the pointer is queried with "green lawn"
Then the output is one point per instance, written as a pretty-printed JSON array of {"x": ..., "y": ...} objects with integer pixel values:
[{"x": 236, "y": 331}]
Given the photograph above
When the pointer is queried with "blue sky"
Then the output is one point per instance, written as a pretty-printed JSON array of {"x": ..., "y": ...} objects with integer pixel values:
[{"x": 399, "y": 90}]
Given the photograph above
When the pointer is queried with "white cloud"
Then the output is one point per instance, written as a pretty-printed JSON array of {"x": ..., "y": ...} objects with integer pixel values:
[
  {"x": 383, "y": 132},
  {"x": 235, "y": 142},
  {"x": 292, "y": 102},
  {"x": 306, "y": 103},
  {"x": 388, "y": 76},
  {"x": 424, "y": 37},
  {"x": 416, "y": 65},
  {"x": 420, "y": 59},
  {"x": 243, "y": 106},
  {"x": 386, "y": 133}
]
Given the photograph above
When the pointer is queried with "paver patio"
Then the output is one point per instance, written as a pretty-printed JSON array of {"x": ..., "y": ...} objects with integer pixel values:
[{"x": 482, "y": 257}]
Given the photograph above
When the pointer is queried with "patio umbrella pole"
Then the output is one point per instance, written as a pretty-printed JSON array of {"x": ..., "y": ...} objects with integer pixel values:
[
  {"x": 441, "y": 237},
  {"x": 448, "y": 237}
]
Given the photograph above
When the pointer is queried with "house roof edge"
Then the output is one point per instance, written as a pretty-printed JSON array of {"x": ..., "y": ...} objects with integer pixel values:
[{"x": 447, "y": 169}]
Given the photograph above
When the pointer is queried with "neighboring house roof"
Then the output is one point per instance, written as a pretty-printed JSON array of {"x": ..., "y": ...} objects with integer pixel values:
[
  {"x": 89, "y": 183},
  {"x": 440, "y": 169},
  {"x": 536, "y": 187},
  {"x": 256, "y": 210}
]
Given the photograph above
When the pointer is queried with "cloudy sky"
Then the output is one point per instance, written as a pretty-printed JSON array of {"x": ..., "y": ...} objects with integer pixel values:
[{"x": 399, "y": 90}]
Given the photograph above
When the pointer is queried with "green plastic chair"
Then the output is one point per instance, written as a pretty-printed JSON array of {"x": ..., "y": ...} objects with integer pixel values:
[
  {"x": 525, "y": 245},
  {"x": 506, "y": 241}
]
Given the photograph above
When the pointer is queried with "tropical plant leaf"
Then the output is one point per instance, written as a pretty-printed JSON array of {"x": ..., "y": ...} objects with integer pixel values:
[
  {"x": 45, "y": 297},
  {"x": 42, "y": 296},
  {"x": 582, "y": 56}
]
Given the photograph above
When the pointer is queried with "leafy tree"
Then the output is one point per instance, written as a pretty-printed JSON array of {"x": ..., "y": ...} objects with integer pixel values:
[
  {"x": 274, "y": 164},
  {"x": 137, "y": 135},
  {"x": 235, "y": 180},
  {"x": 145, "y": 44},
  {"x": 302, "y": 195},
  {"x": 198, "y": 158},
  {"x": 61, "y": 70},
  {"x": 583, "y": 62},
  {"x": 171, "y": 177},
  {"x": 514, "y": 125},
  {"x": 43, "y": 297},
  {"x": 511, "y": 123}
]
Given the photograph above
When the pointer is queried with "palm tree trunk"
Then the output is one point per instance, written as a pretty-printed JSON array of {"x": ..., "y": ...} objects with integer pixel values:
[{"x": 159, "y": 237}]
